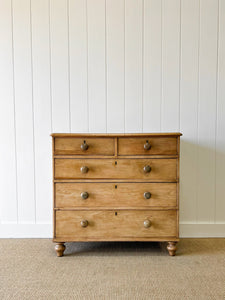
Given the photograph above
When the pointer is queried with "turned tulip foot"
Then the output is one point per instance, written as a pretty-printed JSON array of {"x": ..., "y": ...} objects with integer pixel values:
[
  {"x": 60, "y": 248},
  {"x": 171, "y": 247}
]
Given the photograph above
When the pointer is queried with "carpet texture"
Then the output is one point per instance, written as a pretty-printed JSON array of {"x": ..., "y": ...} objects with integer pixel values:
[{"x": 29, "y": 269}]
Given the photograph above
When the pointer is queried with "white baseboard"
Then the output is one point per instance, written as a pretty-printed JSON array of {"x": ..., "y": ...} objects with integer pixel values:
[
  {"x": 202, "y": 230},
  {"x": 26, "y": 230},
  {"x": 45, "y": 230}
]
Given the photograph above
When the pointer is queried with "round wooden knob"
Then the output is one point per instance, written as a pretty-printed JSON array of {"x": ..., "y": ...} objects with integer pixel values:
[
  {"x": 84, "y": 169},
  {"x": 147, "y": 146},
  {"x": 147, "y": 169},
  {"x": 84, "y": 223},
  {"x": 84, "y": 146},
  {"x": 84, "y": 195},
  {"x": 147, "y": 195},
  {"x": 147, "y": 223}
]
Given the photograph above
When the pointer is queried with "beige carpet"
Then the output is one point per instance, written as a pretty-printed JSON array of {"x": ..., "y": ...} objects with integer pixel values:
[{"x": 29, "y": 269}]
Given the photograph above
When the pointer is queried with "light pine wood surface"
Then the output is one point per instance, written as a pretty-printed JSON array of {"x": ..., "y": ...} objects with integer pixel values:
[
  {"x": 96, "y": 146},
  {"x": 161, "y": 169},
  {"x": 116, "y": 188},
  {"x": 115, "y": 194},
  {"x": 134, "y": 146},
  {"x": 114, "y": 224}
]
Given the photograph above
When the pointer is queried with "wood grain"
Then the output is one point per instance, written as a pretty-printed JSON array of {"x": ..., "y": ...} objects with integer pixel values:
[
  {"x": 161, "y": 169},
  {"x": 115, "y": 183},
  {"x": 135, "y": 146},
  {"x": 109, "y": 224},
  {"x": 115, "y": 195},
  {"x": 96, "y": 146},
  {"x": 159, "y": 134},
  {"x": 115, "y": 239}
]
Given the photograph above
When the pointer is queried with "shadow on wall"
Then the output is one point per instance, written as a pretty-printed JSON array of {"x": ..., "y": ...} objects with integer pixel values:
[{"x": 202, "y": 182}]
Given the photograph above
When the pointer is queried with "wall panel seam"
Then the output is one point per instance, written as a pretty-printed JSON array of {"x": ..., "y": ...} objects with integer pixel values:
[
  {"x": 142, "y": 66},
  {"x": 161, "y": 100},
  {"x": 32, "y": 97},
  {"x": 216, "y": 121},
  {"x": 50, "y": 65},
  {"x": 68, "y": 37},
  {"x": 198, "y": 106},
  {"x": 14, "y": 112},
  {"x": 124, "y": 65},
  {"x": 87, "y": 66},
  {"x": 106, "y": 81},
  {"x": 179, "y": 92}
]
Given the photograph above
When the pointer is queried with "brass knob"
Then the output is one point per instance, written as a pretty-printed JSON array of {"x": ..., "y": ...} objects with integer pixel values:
[
  {"x": 84, "y": 146},
  {"x": 147, "y": 223},
  {"x": 84, "y": 195},
  {"x": 147, "y": 146},
  {"x": 147, "y": 169},
  {"x": 147, "y": 195},
  {"x": 84, "y": 169},
  {"x": 84, "y": 223}
]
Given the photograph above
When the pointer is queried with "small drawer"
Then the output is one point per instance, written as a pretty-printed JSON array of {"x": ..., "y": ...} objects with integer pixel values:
[
  {"x": 144, "y": 169},
  {"x": 84, "y": 146},
  {"x": 116, "y": 223},
  {"x": 112, "y": 195},
  {"x": 147, "y": 146}
]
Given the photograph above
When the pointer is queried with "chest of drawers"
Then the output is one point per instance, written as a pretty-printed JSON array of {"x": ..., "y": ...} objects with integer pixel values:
[{"x": 116, "y": 187}]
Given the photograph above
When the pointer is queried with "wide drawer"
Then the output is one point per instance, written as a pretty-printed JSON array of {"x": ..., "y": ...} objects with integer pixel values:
[
  {"x": 84, "y": 146},
  {"x": 147, "y": 146},
  {"x": 115, "y": 194},
  {"x": 160, "y": 169},
  {"x": 120, "y": 223}
]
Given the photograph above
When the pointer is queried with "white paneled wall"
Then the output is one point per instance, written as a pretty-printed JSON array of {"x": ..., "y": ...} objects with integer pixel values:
[{"x": 111, "y": 66}]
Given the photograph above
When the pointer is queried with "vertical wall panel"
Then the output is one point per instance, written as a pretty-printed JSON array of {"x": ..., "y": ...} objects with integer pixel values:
[
  {"x": 24, "y": 110},
  {"x": 78, "y": 65},
  {"x": 96, "y": 66},
  {"x": 133, "y": 65},
  {"x": 152, "y": 64},
  {"x": 170, "y": 65},
  {"x": 207, "y": 110},
  {"x": 59, "y": 65},
  {"x": 189, "y": 108},
  {"x": 115, "y": 65},
  {"x": 8, "y": 184},
  {"x": 220, "y": 128},
  {"x": 42, "y": 108}
]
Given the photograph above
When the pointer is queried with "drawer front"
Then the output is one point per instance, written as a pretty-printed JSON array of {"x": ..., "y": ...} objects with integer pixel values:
[
  {"x": 147, "y": 146},
  {"x": 161, "y": 169},
  {"x": 84, "y": 146},
  {"x": 115, "y": 194},
  {"x": 113, "y": 223}
]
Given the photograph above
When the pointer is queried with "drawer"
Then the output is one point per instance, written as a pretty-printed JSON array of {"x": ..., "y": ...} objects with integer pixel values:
[
  {"x": 147, "y": 146},
  {"x": 160, "y": 169},
  {"x": 115, "y": 194},
  {"x": 84, "y": 146},
  {"x": 120, "y": 223}
]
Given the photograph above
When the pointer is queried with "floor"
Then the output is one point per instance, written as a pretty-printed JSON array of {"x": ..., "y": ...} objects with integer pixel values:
[{"x": 29, "y": 269}]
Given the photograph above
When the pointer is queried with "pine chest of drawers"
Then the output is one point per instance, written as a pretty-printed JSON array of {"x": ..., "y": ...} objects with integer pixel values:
[{"x": 116, "y": 187}]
